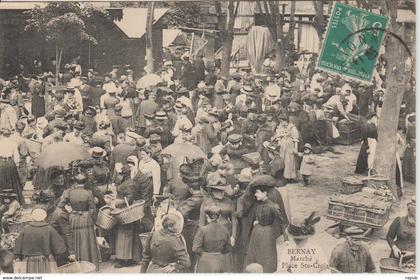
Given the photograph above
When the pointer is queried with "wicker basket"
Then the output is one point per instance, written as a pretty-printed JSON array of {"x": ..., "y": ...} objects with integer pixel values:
[
  {"x": 130, "y": 214},
  {"x": 77, "y": 267},
  {"x": 376, "y": 180},
  {"x": 351, "y": 185},
  {"x": 390, "y": 265},
  {"x": 104, "y": 220}
]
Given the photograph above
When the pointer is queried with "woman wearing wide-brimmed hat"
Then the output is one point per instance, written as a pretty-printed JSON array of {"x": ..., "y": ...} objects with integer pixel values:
[
  {"x": 266, "y": 226},
  {"x": 246, "y": 213},
  {"x": 216, "y": 189}
]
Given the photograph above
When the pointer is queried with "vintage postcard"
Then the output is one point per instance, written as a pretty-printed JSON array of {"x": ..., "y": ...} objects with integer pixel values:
[{"x": 208, "y": 137}]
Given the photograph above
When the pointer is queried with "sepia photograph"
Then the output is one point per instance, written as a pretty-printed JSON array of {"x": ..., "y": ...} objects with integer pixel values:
[{"x": 207, "y": 137}]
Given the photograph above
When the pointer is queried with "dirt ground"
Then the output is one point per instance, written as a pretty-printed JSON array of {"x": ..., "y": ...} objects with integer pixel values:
[{"x": 330, "y": 168}]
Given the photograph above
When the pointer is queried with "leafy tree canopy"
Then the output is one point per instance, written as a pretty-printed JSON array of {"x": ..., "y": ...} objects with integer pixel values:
[{"x": 67, "y": 22}]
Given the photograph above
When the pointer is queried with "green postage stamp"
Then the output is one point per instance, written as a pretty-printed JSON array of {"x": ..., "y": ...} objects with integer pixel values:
[{"x": 351, "y": 45}]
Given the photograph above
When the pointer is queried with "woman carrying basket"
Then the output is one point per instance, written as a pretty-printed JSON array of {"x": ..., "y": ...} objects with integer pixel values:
[
  {"x": 127, "y": 241},
  {"x": 78, "y": 202}
]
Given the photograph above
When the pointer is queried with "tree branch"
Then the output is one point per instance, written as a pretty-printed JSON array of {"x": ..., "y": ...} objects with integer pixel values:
[{"x": 236, "y": 9}]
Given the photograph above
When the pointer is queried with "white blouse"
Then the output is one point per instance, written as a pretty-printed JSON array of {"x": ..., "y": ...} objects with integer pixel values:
[{"x": 9, "y": 149}]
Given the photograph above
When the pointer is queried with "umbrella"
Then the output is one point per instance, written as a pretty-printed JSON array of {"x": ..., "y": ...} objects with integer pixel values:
[
  {"x": 148, "y": 81},
  {"x": 184, "y": 150},
  {"x": 61, "y": 154}
]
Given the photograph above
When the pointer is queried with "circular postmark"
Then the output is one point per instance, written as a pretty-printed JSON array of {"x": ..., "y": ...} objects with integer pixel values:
[{"x": 363, "y": 46}]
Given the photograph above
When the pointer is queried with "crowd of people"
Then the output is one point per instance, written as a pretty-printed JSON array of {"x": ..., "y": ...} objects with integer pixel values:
[{"x": 215, "y": 210}]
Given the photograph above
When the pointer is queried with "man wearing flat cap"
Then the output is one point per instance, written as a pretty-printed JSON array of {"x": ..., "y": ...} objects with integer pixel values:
[
  {"x": 161, "y": 127},
  {"x": 234, "y": 149},
  {"x": 146, "y": 107}
]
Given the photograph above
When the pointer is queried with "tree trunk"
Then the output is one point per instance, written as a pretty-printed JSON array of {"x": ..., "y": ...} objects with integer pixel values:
[
  {"x": 149, "y": 37},
  {"x": 396, "y": 81},
  {"x": 57, "y": 69},
  {"x": 226, "y": 52},
  {"x": 319, "y": 20},
  {"x": 280, "y": 56},
  {"x": 226, "y": 33}
]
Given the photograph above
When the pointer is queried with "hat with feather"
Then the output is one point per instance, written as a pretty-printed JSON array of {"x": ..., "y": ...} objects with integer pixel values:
[{"x": 303, "y": 228}]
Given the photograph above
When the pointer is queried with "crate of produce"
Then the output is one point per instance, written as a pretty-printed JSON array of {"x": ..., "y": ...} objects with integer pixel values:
[
  {"x": 391, "y": 265},
  {"x": 359, "y": 209},
  {"x": 345, "y": 125},
  {"x": 348, "y": 137},
  {"x": 351, "y": 184}
]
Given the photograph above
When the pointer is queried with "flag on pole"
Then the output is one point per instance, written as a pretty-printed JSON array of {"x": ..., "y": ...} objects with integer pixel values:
[{"x": 197, "y": 45}]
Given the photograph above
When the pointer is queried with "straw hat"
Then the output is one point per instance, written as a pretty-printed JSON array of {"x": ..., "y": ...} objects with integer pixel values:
[{"x": 97, "y": 152}]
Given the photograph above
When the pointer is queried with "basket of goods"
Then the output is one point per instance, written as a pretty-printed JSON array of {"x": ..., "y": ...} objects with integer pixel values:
[
  {"x": 351, "y": 185},
  {"x": 8, "y": 240},
  {"x": 105, "y": 220},
  {"x": 252, "y": 158},
  {"x": 375, "y": 180},
  {"x": 391, "y": 265},
  {"x": 129, "y": 214},
  {"x": 77, "y": 267},
  {"x": 361, "y": 209}
]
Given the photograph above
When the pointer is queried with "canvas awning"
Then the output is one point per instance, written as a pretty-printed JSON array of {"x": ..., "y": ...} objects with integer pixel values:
[{"x": 133, "y": 22}]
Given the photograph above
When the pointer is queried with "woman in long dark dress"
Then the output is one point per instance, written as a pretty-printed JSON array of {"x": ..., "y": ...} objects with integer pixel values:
[
  {"x": 9, "y": 159},
  {"x": 78, "y": 202},
  {"x": 409, "y": 159},
  {"x": 218, "y": 198},
  {"x": 262, "y": 244},
  {"x": 38, "y": 100},
  {"x": 212, "y": 243},
  {"x": 368, "y": 130},
  {"x": 246, "y": 213}
]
